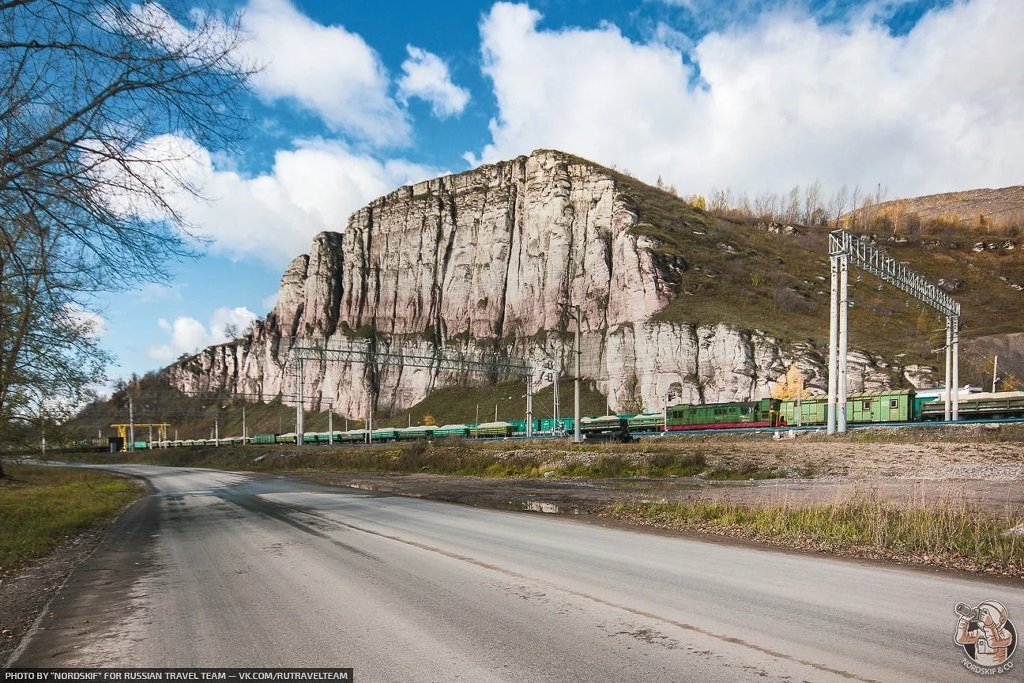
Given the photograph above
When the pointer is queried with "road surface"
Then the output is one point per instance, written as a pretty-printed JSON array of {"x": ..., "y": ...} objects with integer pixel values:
[{"x": 223, "y": 569}]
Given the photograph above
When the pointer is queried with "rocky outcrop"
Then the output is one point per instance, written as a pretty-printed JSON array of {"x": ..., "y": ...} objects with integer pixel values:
[{"x": 485, "y": 260}]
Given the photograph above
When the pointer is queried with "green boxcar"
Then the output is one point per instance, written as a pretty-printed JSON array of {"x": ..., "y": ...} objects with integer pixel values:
[
  {"x": 861, "y": 408},
  {"x": 141, "y": 445},
  {"x": 285, "y": 438},
  {"x": 562, "y": 424},
  {"x": 264, "y": 438}
]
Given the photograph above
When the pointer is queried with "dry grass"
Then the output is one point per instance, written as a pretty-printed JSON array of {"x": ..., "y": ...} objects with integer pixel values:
[{"x": 951, "y": 532}]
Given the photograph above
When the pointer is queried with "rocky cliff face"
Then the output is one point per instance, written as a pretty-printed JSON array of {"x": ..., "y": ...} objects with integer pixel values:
[{"x": 482, "y": 260}]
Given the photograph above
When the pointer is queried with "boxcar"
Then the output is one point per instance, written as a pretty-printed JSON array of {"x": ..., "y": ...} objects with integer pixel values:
[
  {"x": 861, "y": 408},
  {"x": 264, "y": 438}
]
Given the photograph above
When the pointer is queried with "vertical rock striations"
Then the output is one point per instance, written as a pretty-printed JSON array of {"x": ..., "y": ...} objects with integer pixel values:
[{"x": 482, "y": 260}]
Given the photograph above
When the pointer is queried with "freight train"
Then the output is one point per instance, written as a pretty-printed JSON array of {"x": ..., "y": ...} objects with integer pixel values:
[{"x": 883, "y": 407}]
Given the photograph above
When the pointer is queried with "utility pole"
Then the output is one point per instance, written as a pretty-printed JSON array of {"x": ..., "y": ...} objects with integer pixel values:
[
  {"x": 949, "y": 354},
  {"x": 151, "y": 437},
  {"x": 844, "y": 308},
  {"x": 245, "y": 433},
  {"x": 833, "y": 347},
  {"x": 529, "y": 404},
  {"x": 216, "y": 431},
  {"x": 478, "y": 413},
  {"x": 995, "y": 372},
  {"x": 578, "y": 352},
  {"x": 557, "y": 424},
  {"x": 495, "y": 412},
  {"x": 330, "y": 423},
  {"x": 299, "y": 406},
  {"x": 131, "y": 425},
  {"x": 955, "y": 324}
]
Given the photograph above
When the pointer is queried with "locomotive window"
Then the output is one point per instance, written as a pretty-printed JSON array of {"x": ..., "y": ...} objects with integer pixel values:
[
  {"x": 866, "y": 405},
  {"x": 894, "y": 403}
]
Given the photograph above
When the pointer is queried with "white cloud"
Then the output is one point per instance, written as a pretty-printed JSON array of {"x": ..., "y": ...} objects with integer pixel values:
[
  {"x": 90, "y": 323},
  {"x": 271, "y": 216},
  {"x": 768, "y": 105},
  {"x": 188, "y": 335},
  {"x": 325, "y": 69},
  {"x": 426, "y": 76}
]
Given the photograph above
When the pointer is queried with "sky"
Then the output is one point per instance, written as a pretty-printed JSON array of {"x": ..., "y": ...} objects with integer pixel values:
[{"x": 355, "y": 99}]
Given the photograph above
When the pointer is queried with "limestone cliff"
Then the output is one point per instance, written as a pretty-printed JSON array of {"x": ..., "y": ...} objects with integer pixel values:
[{"x": 482, "y": 260}]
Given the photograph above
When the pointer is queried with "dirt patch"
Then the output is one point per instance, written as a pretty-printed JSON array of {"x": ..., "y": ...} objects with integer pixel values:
[{"x": 24, "y": 594}]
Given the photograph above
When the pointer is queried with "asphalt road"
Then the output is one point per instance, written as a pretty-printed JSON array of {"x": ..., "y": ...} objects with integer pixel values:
[{"x": 220, "y": 569}]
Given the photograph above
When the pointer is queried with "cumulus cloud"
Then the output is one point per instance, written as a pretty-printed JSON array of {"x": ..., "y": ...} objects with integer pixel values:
[
  {"x": 426, "y": 76},
  {"x": 188, "y": 335},
  {"x": 272, "y": 216},
  {"x": 327, "y": 70},
  {"x": 766, "y": 105}
]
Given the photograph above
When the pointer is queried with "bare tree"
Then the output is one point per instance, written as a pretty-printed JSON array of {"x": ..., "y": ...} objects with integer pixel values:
[{"x": 86, "y": 87}]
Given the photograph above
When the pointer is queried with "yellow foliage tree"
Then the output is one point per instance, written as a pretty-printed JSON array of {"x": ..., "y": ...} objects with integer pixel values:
[
  {"x": 790, "y": 385},
  {"x": 429, "y": 420}
]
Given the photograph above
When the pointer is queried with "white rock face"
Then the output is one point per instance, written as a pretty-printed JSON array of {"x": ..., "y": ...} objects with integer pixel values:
[{"x": 482, "y": 260}]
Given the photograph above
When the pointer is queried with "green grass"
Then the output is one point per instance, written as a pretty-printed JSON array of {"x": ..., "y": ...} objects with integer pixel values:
[
  {"x": 947, "y": 532},
  {"x": 41, "y": 507}
]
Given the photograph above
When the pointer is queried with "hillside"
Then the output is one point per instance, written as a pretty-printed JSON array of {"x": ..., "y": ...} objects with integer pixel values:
[
  {"x": 672, "y": 298},
  {"x": 980, "y": 208}
]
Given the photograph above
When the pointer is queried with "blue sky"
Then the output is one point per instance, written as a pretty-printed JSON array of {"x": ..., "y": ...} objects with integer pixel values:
[{"x": 356, "y": 99}]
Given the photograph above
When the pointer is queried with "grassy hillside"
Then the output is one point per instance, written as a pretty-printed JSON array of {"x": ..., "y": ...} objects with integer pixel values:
[{"x": 775, "y": 279}]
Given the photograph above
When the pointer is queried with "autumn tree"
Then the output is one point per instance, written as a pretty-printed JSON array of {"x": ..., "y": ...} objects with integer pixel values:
[{"x": 791, "y": 385}]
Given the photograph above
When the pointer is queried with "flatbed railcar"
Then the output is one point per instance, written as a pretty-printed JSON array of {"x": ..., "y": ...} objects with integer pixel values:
[
  {"x": 491, "y": 430},
  {"x": 605, "y": 428},
  {"x": 981, "y": 406}
]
